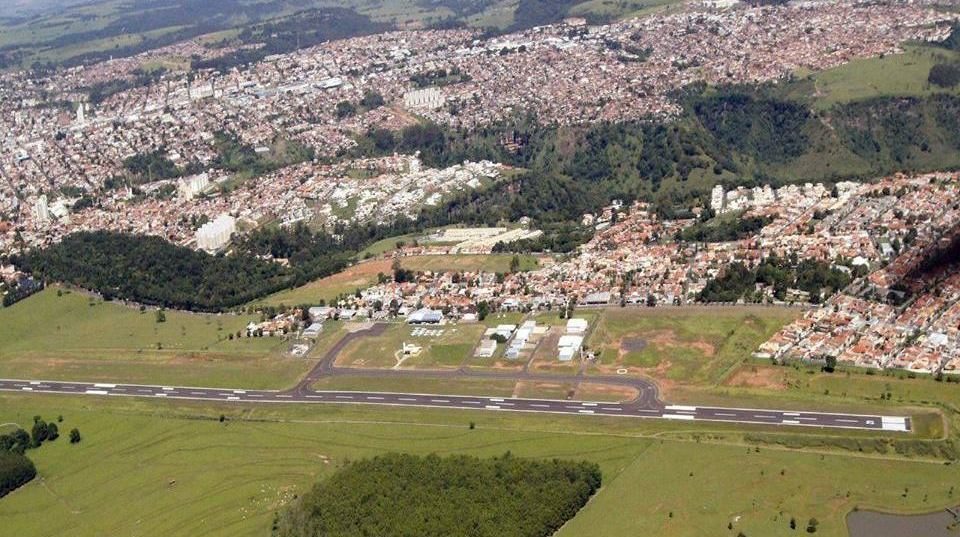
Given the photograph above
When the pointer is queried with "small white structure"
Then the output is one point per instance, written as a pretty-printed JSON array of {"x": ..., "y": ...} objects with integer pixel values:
[
  {"x": 313, "y": 331},
  {"x": 505, "y": 330},
  {"x": 486, "y": 349},
  {"x": 602, "y": 297},
  {"x": 424, "y": 99},
  {"x": 213, "y": 236},
  {"x": 411, "y": 349},
  {"x": 577, "y": 326},
  {"x": 568, "y": 347},
  {"x": 425, "y": 316},
  {"x": 318, "y": 314}
]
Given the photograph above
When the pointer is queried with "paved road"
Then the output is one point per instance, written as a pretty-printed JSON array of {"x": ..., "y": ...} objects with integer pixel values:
[{"x": 633, "y": 409}]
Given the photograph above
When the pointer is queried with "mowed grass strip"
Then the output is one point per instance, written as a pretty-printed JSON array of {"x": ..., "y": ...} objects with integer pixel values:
[
  {"x": 171, "y": 468},
  {"x": 72, "y": 336}
]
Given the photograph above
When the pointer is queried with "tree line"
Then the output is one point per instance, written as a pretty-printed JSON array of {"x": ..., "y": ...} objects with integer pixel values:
[
  {"x": 16, "y": 469},
  {"x": 737, "y": 281},
  {"x": 433, "y": 496}
]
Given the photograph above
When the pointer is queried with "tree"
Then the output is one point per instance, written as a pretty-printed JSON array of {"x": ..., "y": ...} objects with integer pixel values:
[
  {"x": 39, "y": 433},
  {"x": 483, "y": 309},
  {"x": 793, "y": 523},
  {"x": 812, "y": 525},
  {"x": 514, "y": 264},
  {"x": 371, "y": 100},
  {"x": 53, "y": 432},
  {"x": 74, "y": 436},
  {"x": 345, "y": 109},
  {"x": 161, "y": 316},
  {"x": 831, "y": 364}
]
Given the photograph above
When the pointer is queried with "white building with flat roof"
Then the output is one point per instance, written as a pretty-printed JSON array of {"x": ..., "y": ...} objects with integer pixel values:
[
  {"x": 41, "y": 210},
  {"x": 577, "y": 326},
  {"x": 424, "y": 99},
  {"x": 213, "y": 236},
  {"x": 190, "y": 187},
  {"x": 568, "y": 347}
]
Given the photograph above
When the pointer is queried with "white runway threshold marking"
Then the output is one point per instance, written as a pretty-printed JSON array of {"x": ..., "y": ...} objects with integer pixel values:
[
  {"x": 97, "y": 392},
  {"x": 893, "y": 423},
  {"x": 680, "y": 408},
  {"x": 678, "y": 416}
]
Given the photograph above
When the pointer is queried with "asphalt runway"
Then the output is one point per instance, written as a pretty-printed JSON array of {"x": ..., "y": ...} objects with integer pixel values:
[
  {"x": 634, "y": 408},
  {"x": 646, "y": 404}
]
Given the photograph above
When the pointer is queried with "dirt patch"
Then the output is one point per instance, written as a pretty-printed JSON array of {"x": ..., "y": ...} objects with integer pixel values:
[
  {"x": 633, "y": 344},
  {"x": 751, "y": 376},
  {"x": 663, "y": 339},
  {"x": 605, "y": 392},
  {"x": 543, "y": 390}
]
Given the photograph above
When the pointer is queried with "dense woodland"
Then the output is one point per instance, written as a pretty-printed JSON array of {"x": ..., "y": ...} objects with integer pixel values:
[
  {"x": 398, "y": 494},
  {"x": 739, "y": 282},
  {"x": 15, "y": 471},
  {"x": 154, "y": 271},
  {"x": 723, "y": 228}
]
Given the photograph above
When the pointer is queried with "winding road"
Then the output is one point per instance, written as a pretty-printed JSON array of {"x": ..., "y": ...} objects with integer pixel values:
[{"x": 646, "y": 405}]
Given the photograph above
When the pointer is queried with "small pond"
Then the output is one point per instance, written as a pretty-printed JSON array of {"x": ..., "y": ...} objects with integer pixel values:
[{"x": 874, "y": 524}]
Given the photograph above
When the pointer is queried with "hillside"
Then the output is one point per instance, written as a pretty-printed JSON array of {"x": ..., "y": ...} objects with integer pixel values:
[{"x": 35, "y": 34}]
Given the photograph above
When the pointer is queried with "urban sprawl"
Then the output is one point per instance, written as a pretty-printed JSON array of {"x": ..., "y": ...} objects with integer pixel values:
[{"x": 54, "y": 156}]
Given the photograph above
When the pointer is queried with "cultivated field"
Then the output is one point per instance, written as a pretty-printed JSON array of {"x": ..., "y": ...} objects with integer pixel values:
[
  {"x": 72, "y": 336},
  {"x": 168, "y": 468}
]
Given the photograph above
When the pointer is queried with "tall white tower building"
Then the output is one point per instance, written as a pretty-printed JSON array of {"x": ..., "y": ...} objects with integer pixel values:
[
  {"x": 213, "y": 236},
  {"x": 41, "y": 211}
]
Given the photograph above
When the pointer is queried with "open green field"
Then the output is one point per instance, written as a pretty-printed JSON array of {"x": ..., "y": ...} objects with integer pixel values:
[
  {"x": 893, "y": 75},
  {"x": 758, "y": 380},
  {"x": 686, "y": 345},
  {"x": 171, "y": 468},
  {"x": 453, "y": 345},
  {"x": 76, "y": 337}
]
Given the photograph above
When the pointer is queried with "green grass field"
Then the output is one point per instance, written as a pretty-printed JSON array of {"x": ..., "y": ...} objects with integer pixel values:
[
  {"x": 757, "y": 380},
  {"x": 448, "y": 350},
  {"x": 168, "y": 468},
  {"x": 76, "y": 337},
  {"x": 690, "y": 345},
  {"x": 894, "y": 74}
]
